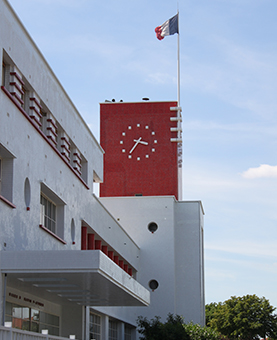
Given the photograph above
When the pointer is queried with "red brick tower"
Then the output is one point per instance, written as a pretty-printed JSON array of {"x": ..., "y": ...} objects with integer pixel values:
[{"x": 141, "y": 143}]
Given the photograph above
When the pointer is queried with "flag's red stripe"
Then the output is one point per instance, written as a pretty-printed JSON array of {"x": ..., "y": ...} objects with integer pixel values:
[{"x": 158, "y": 31}]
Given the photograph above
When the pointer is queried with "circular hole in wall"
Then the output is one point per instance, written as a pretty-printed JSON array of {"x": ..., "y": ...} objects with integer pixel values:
[
  {"x": 153, "y": 284},
  {"x": 152, "y": 227}
]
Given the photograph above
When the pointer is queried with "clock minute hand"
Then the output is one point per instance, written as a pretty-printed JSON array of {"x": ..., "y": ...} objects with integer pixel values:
[{"x": 137, "y": 141}]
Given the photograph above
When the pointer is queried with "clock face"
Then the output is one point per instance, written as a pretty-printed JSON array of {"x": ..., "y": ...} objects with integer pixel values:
[{"x": 138, "y": 141}]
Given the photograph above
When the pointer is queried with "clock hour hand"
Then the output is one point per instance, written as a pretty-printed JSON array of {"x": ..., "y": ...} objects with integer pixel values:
[
  {"x": 142, "y": 142},
  {"x": 137, "y": 141}
]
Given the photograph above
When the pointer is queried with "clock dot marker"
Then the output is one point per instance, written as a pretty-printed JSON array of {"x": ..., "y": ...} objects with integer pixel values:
[
  {"x": 153, "y": 132},
  {"x": 130, "y": 127},
  {"x": 123, "y": 150},
  {"x": 153, "y": 150},
  {"x": 123, "y": 133},
  {"x": 138, "y": 125},
  {"x": 130, "y": 156},
  {"x": 138, "y": 158},
  {"x": 146, "y": 127},
  {"x": 155, "y": 141},
  {"x": 121, "y": 142},
  {"x": 146, "y": 156}
]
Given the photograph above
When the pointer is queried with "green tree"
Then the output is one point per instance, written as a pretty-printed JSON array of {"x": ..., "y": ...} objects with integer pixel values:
[
  {"x": 174, "y": 329},
  {"x": 154, "y": 329},
  {"x": 197, "y": 332},
  {"x": 248, "y": 317},
  {"x": 209, "y": 312}
]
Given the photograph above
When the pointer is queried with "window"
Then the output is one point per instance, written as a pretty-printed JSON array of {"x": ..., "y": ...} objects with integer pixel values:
[
  {"x": 30, "y": 319},
  {"x": 83, "y": 168},
  {"x": 6, "y": 68},
  {"x": 48, "y": 124},
  {"x": 152, "y": 227},
  {"x": 24, "y": 96},
  {"x": 52, "y": 212},
  {"x": 112, "y": 330},
  {"x": 48, "y": 213},
  {"x": 95, "y": 326},
  {"x": 128, "y": 332},
  {"x": 3, "y": 73},
  {"x": 6, "y": 175}
]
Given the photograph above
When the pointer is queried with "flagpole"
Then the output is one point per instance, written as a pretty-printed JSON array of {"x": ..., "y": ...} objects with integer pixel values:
[
  {"x": 179, "y": 115},
  {"x": 169, "y": 28},
  {"x": 178, "y": 61}
]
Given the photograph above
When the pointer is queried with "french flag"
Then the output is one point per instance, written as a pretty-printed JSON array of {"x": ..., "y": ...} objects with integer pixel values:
[{"x": 169, "y": 27}]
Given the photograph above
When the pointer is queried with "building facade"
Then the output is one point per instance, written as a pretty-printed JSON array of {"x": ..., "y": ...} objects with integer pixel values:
[
  {"x": 60, "y": 249},
  {"x": 73, "y": 264}
]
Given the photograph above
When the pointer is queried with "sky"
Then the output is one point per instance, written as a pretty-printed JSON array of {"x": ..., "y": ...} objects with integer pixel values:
[{"x": 228, "y": 55}]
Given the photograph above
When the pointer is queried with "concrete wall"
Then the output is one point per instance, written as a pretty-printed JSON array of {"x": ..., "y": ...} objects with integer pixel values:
[
  {"x": 189, "y": 266},
  {"x": 173, "y": 255}
]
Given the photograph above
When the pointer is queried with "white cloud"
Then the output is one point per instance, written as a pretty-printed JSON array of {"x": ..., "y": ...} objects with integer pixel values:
[{"x": 263, "y": 171}]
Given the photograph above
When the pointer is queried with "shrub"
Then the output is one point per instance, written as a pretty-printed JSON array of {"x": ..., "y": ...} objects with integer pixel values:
[
  {"x": 197, "y": 332},
  {"x": 174, "y": 329},
  {"x": 154, "y": 329}
]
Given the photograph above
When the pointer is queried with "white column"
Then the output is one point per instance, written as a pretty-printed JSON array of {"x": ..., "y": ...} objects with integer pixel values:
[
  {"x": 105, "y": 328},
  {"x": 121, "y": 330},
  {"x": 86, "y": 323},
  {"x": 2, "y": 317}
]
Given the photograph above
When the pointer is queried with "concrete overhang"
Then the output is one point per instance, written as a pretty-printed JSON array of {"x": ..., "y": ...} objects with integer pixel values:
[{"x": 86, "y": 277}]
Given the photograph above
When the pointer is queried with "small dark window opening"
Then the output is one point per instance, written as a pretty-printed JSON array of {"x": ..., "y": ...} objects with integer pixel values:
[
  {"x": 153, "y": 284},
  {"x": 152, "y": 227}
]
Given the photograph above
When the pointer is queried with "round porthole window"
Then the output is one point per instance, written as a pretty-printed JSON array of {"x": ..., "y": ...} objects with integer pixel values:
[
  {"x": 153, "y": 284},
  {"x": 152, "y": 227}
]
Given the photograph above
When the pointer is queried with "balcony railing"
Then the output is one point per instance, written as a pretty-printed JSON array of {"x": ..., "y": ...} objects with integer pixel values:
[{"x": 8, "y": 333}]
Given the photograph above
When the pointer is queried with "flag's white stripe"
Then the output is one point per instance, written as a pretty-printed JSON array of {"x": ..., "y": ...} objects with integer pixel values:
[{"x": 165, "y": 28}]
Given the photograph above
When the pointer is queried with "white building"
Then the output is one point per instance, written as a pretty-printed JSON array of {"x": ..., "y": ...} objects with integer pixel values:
[
  {"x": 62, "y": 249},
  {"x": 170, "y": 236}
]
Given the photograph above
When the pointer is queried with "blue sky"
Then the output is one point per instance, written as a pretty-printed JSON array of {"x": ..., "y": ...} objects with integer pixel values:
[{"x": 107, "y": 49}]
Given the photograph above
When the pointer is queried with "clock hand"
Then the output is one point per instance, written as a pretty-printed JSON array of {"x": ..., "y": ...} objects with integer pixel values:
[
  {"x": 142, "y": 142},
  {"x": 133, "y": 148}
]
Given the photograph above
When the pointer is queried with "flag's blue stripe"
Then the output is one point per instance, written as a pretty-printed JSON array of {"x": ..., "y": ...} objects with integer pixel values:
[{"x": 173, "y": 25}]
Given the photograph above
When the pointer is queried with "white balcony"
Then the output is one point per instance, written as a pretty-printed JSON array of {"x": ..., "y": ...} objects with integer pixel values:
[{"x": 87, "y": 278}]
